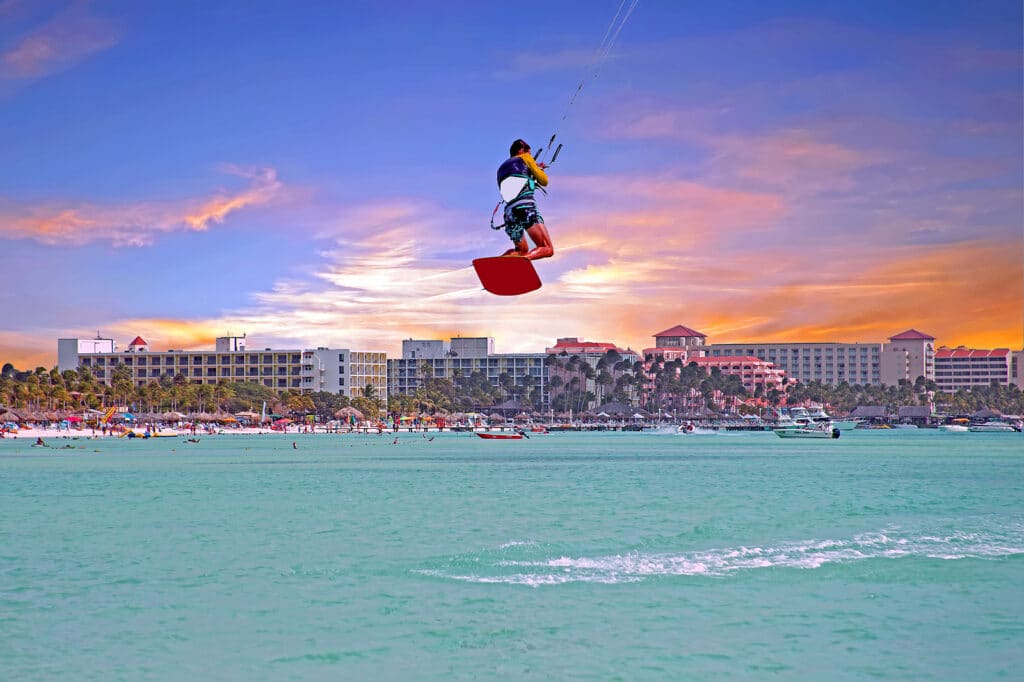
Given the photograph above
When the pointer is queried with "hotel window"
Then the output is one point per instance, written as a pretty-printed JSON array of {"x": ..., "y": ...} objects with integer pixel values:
[
  {"x": 341, "y": 369},
  {"x": 197, "y": 372},
  {"x": 239, "y": 359},
  {"x": 341, "y": 357},
  {"x": 267, "y": 359},
  {"x": 341, "y": 381},
  {"x": 296, "y": 358},
  {"x": 282, "y": 358}
]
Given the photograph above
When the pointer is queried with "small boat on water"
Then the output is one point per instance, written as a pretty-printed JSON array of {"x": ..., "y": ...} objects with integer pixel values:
[
  {"x": 500, "y": 436},
  {"x": 953, "y": 428},
  {"x": 819, "y": 430},
  {"x": 694, "y": 430},
  {"x": 991, "y": 427}
]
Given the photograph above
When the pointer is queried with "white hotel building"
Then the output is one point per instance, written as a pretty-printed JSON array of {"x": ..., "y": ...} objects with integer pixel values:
[
  {"x": 460, "y": 357},
  {"x": 333, "y": 370},
  {"x": 908, "y": 355}
]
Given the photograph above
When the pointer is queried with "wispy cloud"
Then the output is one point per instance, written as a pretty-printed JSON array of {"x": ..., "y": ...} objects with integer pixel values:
[
  {"x": 63, "y": 41},
  {"x": 135, "y": 224}
]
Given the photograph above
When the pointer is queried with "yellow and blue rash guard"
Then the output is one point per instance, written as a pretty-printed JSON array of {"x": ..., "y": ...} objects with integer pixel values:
[{"x": 521, "y": 212}]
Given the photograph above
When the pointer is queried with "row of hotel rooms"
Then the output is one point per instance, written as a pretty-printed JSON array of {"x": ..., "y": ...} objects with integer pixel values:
[{"x": 906, "y": 356}]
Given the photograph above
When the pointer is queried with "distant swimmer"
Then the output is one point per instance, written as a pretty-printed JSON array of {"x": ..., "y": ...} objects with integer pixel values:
[
  {"x": 395, "y": 441},
  {"x": 294, "y": 446}
]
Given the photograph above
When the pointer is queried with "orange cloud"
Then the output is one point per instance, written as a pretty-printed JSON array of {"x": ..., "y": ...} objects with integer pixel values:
[
  {"x": 265, "y": 186},
  {"x": 134, "y": 224}
]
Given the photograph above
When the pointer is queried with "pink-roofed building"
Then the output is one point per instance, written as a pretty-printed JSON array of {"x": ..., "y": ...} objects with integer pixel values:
[
  {"x": 753, "y": 372},
  {"x": 907, "y": 356},
  {"x": 677, "y": 343},
  {"x": 571, "y": 345},
  {"x": 961, "y": 367}
]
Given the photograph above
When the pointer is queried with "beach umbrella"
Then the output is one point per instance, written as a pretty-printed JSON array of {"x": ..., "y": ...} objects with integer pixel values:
[
  {"x": 347, "y": 412},
  {"x": 73, "y": 419}
]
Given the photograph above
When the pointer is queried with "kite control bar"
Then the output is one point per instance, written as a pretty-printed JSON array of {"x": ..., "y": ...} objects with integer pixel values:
[{"x": 540, "y": 152}]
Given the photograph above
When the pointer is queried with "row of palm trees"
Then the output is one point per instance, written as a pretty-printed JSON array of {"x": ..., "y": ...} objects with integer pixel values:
[{"x": 574, "y": 385}]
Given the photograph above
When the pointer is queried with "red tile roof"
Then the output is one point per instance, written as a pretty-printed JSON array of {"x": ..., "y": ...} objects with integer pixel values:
[
  {"x": 912, "y": 335},
  {"x": 582, "y": 344},
  {"x": 138, "y": 342},
  {"x": 680, "y": 330}
]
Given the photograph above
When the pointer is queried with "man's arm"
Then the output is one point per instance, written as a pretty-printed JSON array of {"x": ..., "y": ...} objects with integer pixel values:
[{"x": 540, "y": 175}]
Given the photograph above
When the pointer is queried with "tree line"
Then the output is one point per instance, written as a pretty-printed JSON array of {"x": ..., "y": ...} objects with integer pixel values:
[{"x": 575, "y": 385}]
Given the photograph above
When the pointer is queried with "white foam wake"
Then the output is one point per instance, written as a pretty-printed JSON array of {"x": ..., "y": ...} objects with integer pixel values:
[{"x": 810, "y": 554}]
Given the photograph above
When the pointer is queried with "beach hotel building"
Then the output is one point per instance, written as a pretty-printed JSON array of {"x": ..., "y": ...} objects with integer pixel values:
[
  {"x": 591, "y": 352},
  {"x": 908, "y": 355},
  {"x": 333, "y": 370},
  {"x": 967, "y": 368},
  {"x": 687, "y": 345},
  {"x": 460, "y": 357}
]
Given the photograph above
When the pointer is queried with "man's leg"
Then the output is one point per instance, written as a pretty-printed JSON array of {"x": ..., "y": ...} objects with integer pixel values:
[
  {"x": 519, "y": 249},
  {"x": 539, "y": 234}
]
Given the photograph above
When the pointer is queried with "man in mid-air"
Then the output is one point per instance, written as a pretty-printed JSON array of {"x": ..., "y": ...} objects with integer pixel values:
[{"x": 521, "y": 215}]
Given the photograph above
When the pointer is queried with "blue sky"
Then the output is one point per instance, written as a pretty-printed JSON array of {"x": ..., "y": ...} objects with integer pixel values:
[{"x": 322, "y": 173}]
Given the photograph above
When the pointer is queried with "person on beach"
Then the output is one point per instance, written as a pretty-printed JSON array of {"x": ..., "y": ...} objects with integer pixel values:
[{"x": 521, "y": 215}]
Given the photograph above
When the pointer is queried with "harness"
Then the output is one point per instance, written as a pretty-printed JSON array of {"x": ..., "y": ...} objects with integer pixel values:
[{"x": 514, "y": 167}]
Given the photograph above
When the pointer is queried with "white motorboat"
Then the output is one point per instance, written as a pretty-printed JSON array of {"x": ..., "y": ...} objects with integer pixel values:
[
  {"x": 953, "y": 428},
  {"x": 818, "y": 430},
  {"x": 819, "y": 415},
  {"x": 991, "y": 427}
]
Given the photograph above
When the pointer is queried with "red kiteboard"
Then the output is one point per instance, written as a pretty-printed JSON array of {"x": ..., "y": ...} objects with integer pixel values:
[{"x": 507, "y": 275}]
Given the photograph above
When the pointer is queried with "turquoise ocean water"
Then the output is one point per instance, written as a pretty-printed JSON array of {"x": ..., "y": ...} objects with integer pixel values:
[{"x": 635, "y": 556}]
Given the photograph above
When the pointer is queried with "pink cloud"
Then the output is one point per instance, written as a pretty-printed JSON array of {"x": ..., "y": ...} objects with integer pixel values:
[
  {"x": 135, "y": 224},
  {"x": 65, "y": 40}
]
